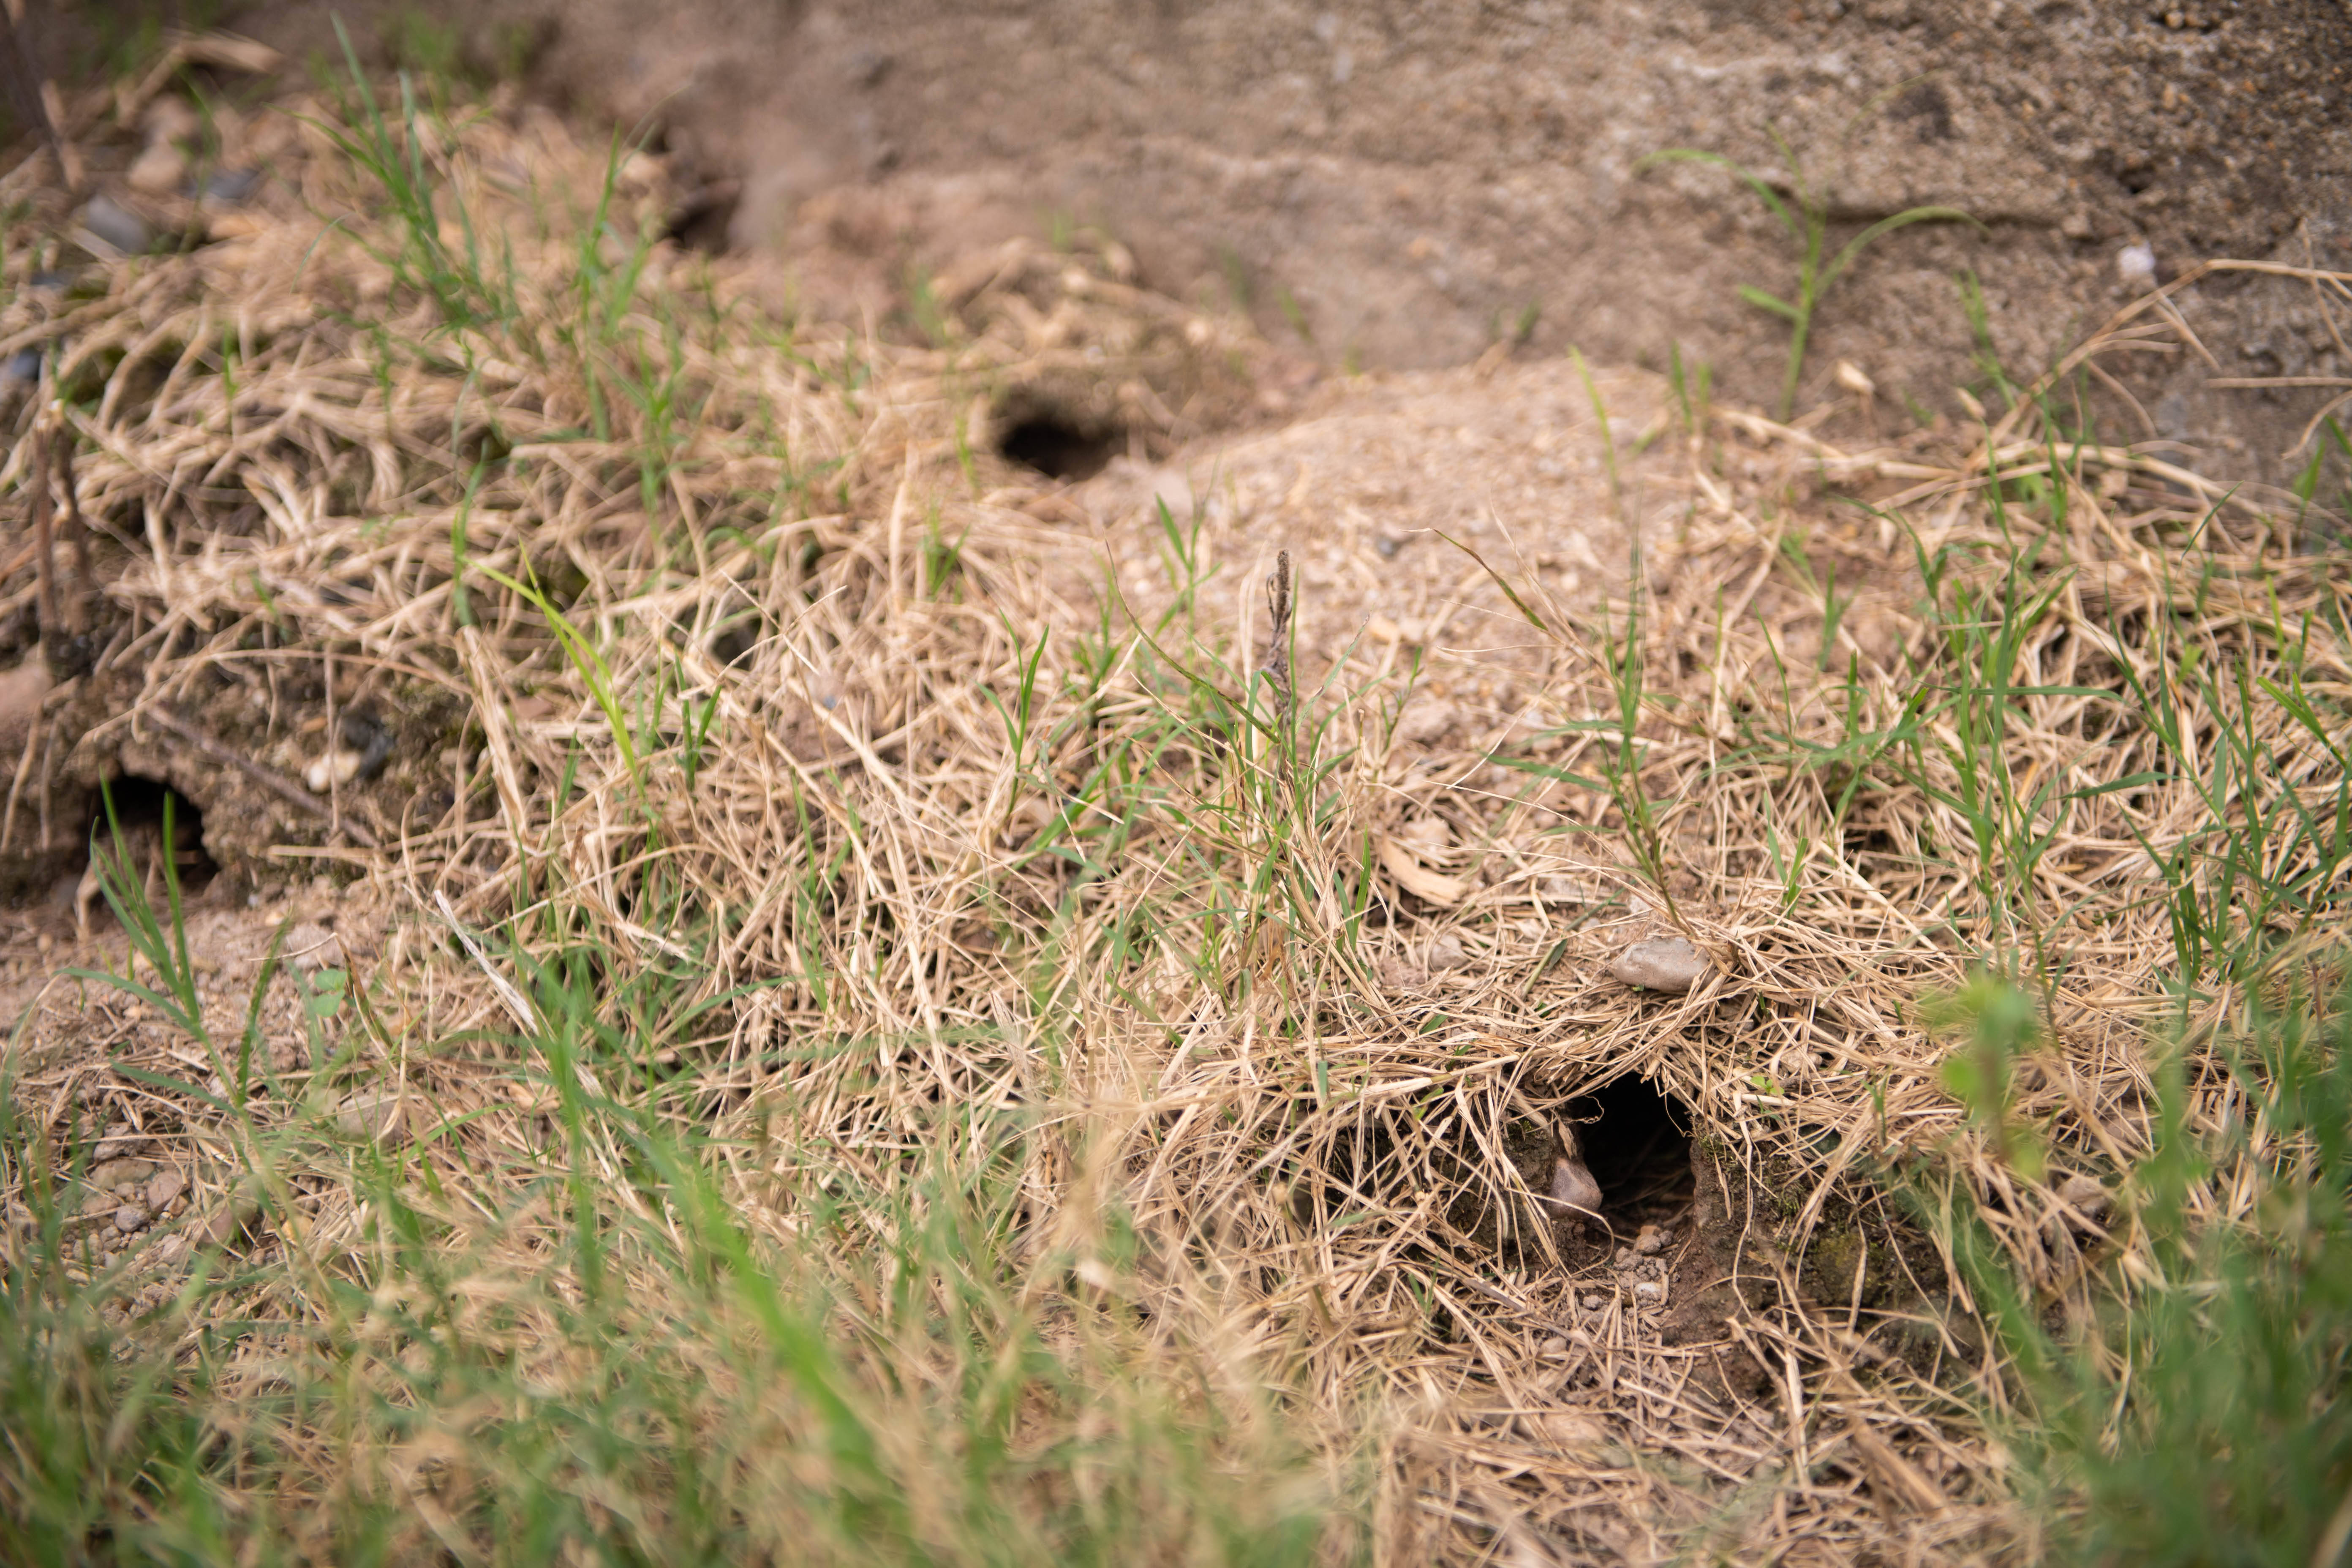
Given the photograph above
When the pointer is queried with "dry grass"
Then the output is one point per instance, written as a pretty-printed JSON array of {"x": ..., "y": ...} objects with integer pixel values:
[{"x": 909, "y": 1041}]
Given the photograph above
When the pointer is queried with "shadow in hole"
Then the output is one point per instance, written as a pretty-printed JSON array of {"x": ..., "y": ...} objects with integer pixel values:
[
  {"x": 139, "y": 818},
  {"x": 1057, "y": 449},
  {"x": 1636, "y": 1143}
]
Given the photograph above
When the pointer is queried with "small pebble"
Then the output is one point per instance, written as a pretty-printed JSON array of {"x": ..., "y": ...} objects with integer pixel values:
[
  {"x": 1593, "y": 1303},
  {"x": 1651, "y": 1242},
  {"x": 1668, "y": 963},
  {"x": 118, "y": 227},
  {"x": 130, "y": 1219},
  {"x": 1555, "y": 1346},
  {"x": 1649, "y": 1291},
  {"x": 310, "y": 946},
  {"x": 231, "y": 185},
  {"x": 376, "y": 1114},
  {"x": 1624, "y": 1258},
  {"x": 163, "y": 1187}
]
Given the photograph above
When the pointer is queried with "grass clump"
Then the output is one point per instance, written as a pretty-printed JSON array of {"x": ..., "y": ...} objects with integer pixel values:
[
  {"x": 2201, "y": 1410},
  {"x": 890, "y": 1023}
]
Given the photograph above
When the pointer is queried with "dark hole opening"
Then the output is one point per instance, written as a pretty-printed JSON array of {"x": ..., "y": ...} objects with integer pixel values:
[
  {"x": 1636, "y": 1143},
  {"x": 705, "y": 216},
  {"x": 732, "y": 644},
  {"x": 1058, "y": 450},
  {"x": 139, "y": 816}
]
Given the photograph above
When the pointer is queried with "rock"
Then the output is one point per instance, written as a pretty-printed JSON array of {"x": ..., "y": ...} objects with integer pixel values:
[
  {"x": 165, "y": 1185},
  {"x": 2136, "y": 265},
  {"x": 341, "y": 768},
  {"x": 114, "y": 1174},
  {"x": 1426, "y": 720},
  {"x": 1648, "y": 1292},
  {"x": 1668, "y": 963},
  {"x": 1651, "y": 1242},
  {"x": 131, "y": 1219},
  {"x": 1624, "y": 1258},
  {"x": 1555, "y": 1346},
  {"x": 229, "y": 1222},
  {"x": 1566, "y": 1428},
  {"x": 1593, "y": 1303},
  {"x": 379, "y": 1115},
  {"x": 1574, "y": 1190},
  {"x": 310, "y": 946},
  {"x": 1447, "y": 953},
  {"x": 231, "y": 185},
  {"x": 115, "y": 226}
]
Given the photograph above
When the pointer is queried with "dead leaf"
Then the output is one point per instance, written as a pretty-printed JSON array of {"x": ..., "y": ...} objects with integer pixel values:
[{"x": 1430, "y": 887}]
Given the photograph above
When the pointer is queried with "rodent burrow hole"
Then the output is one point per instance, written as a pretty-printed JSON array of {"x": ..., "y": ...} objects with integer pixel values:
[
  {"x": 138, "y": 811},
  {"x": 1052, "y": 443},
  {"x": 1635, "y": 1141}
]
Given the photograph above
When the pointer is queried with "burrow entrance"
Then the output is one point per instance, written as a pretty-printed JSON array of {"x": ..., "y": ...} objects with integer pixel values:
[
  {"x": 139, "y": 813},
  {"x": 1636, "y": 1143},
  {"x": 1058, "y": 448}
]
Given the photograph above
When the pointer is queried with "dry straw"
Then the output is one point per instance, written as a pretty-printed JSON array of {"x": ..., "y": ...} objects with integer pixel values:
[{"x": 779, "y": 681}]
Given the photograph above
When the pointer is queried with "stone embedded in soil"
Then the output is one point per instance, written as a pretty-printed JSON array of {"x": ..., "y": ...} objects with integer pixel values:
[
  {"x": 1649, "y": 1291},
  {"x": 1651, "y": 1242},
  {"x": 1567, "y": 1428},
  {"x": 378, "y": 1114},
  {"x": 117, "y": 225},
  {"x": 130, "y": 1219},
  {"x": 1593, "y": 1303},
  {"x": 310, "y": 946},
  {"x": 165, "y": 1185},
  {"x": 226, "y": 1223},
  {"x": 1426, "y": 722},
  {"x": 1573, "y": 1188},
  {"x": 112, "y": 1174},
  {"x": 231, "y": 185},
  {"x": 1668, "y": 963}
]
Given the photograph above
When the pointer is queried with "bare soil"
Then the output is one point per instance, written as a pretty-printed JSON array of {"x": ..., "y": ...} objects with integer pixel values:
[{"x": 1400, "y": 185}]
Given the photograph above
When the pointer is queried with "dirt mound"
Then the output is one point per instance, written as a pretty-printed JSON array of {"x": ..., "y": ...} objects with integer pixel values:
[{"x": 1404, "y": 186}]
